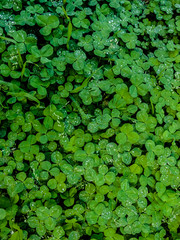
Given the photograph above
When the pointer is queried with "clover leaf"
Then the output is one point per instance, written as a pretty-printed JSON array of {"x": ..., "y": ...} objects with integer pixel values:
[
  {"x": 40, "y": 85},
  {"x": 2, "y": 213},
  {"x": 42, "y": 54},
  {"x": 19, "y": 36},
  {"x": 74, "y": 235},
  {"x": 6, "y": 71},
  {"x": 77, "y": 59},
  {"x": 24, "y": 18},
  {"x": 16, "y": 5},
  {"x": 80, "y": 20},
  {"x": 99, "y": 41},
  {"x": 129, "y": 38},
  {"x": 91, "y": 217},
  {"x": 178, "y": 24},
  {"x": 47, "y": 23},
  {"x": 58, "y": 232},
  {"x": 86, "y": 42},
  {"x": 59, "y": 63},
  {"x": 98, "y": 157},
  {"x": 37, "y": 8}
]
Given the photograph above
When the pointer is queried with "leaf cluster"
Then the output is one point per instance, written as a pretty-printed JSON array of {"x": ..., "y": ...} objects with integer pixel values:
[{"x": 89, "y": 120}]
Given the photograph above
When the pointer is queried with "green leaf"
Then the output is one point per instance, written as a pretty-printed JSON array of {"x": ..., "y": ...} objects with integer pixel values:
[
  {"x": 65, "y": 13},
  {"x": 121, "y": 138},
  {"x": 86, "y": 42},
  {"x": 2, "y": 213},
  {"x": 24, "y": 146},
  {"x": 19, "y": 35},
  {"x": 50, "y": 21},
  {"x": 41, "y": 230},
  {"x": 52, "y": 184},
  {"x": 24, "y": 95},
  {"x": 91, "y": 217},
  {"x": 133, "y": 137},
  {"x": 42, "y": 213},
  {"x": 46, "y": 51},
  {"x": 15, "y": 236},
  {"x": 133, "y": 91},
  {"x": 69, "y": 33},
  {"x": 8, "y": 39},
  {"x": 136, "y": 169},
  {"x": 2, "y": 46},
  {"x": 74, "y": 235},
  {"x": 5, "y": 71},
  {"x": 55, "y": 211},
  {"x": 59, "y": 63},
  {"x": 58, "y": 232},
  {"x": 50, "y": 223},
  {"x": 85, "y": 82},
  {"x": 160, "y": 188},
  {"x": 33, "y": 222},
  {"x": 178, "y": 24},
  {"x": 80, "y": 57},
  {"x": 129, "y": 38},
  {"x": 23, "y": 70}
]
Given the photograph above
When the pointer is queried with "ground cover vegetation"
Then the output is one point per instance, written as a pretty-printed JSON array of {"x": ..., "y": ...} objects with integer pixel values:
[{"x": 89, "y": 119}]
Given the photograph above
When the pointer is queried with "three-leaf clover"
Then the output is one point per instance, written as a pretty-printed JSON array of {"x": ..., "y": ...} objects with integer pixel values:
[
  {"x": 86, "y": 42},
  {"x": 77, "y": 59},
  {"x": 80, "y": 20},
  {"x": 59, "y": 63},
  {"x": 40, "y": 54},
  {"x": 129, "y": 38},
  {"x": 47, "y": 23}
]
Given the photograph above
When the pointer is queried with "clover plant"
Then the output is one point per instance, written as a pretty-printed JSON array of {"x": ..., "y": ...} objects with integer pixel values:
[{"x": 89, "y": 120}]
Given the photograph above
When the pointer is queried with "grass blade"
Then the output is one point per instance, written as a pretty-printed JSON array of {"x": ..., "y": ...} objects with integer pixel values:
[
  {"x": 69, "y": 33},
  {"x": 85, "y": 83}
]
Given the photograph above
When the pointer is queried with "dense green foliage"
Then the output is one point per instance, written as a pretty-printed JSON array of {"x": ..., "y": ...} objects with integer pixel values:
[{"x": 89, "y": 119}]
